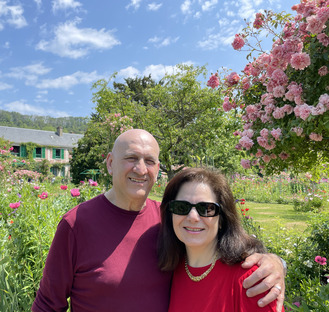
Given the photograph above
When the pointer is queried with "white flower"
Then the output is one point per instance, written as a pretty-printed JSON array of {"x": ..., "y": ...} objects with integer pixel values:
[{"x": 308, "y": 263}]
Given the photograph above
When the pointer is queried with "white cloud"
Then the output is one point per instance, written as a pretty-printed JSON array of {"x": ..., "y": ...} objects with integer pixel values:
[
  {"x": 69, "y": 81},
  {"x": 129, "y": 72},
  {"x": 158, "y": 71},
  {"x": 29, "y": 73},
  {"x": 135, "y": 4},
  {"x": 214, "y": 41},
  {"x": 73, "y": 42},
  {"x": 65, "y": 4},
  {"x": 154, "y": 6},
  {"x": 11, "y": 14},
  {"x": 162, "y": 42},
  {"x": 5, "y": 86},
  {"x": 208, "y": 5},
  {"x": 186, "y": 7},
  {"x": 26, "y": 109}
]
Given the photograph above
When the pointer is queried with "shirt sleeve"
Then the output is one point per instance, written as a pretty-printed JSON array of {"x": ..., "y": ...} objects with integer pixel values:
[
  {"x": 247, "y": 304},
  {"x": 56, "y": 283}
]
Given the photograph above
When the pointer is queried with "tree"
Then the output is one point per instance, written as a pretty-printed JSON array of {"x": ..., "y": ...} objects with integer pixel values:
[{"x": 181, "y": 113}]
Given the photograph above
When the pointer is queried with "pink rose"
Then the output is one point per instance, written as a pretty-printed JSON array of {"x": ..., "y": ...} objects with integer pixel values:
[
  {"x": 245, "y": 163},
  {"x": 315, "y": 137},
  {"x": 213, "y": 81},
  {"x": 238, "y": 42},
  {"x": 323, "y": 70},
  {"x": 300, "y": 61}
]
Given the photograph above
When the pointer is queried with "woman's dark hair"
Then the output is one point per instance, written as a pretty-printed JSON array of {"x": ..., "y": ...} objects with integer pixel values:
[{"x": 234, "y": 243}]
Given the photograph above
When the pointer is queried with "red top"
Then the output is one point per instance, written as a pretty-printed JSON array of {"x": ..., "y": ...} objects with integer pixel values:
[
  {"x": 221, "y": 290},
  {"x": 104, "y": 258}
]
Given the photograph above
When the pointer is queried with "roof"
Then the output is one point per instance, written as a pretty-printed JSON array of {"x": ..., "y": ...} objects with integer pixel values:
[{"x": 41, "y": 137}]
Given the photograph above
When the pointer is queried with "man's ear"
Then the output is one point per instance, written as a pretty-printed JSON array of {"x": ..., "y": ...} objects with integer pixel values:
[{"x": 109, "y": 160}]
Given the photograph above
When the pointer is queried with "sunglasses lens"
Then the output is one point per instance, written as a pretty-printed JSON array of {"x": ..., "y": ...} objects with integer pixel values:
[
  {"x": 207, "y": 209},
  {"x": 204, "y": 209},
  {"x": 180, "y": 207}
]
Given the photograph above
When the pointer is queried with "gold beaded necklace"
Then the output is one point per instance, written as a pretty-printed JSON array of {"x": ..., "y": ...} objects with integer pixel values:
[{"x": 204, "y": 274}]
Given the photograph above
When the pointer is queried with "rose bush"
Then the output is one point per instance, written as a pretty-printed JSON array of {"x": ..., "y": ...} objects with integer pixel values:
[{"x": 282, "y": 96}]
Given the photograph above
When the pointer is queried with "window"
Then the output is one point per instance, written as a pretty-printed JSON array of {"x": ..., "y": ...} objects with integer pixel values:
[
  {"x": 16, "y": 150},
  {"x": 38, "y": 152},
  {"x": 58, "y": 153}
]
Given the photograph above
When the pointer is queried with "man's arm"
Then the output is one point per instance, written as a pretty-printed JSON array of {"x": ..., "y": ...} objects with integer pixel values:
[{"x": 271, "y": 273}]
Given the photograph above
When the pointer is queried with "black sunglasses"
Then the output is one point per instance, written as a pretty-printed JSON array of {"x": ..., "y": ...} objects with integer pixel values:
[{"x": 204, "y": 209}]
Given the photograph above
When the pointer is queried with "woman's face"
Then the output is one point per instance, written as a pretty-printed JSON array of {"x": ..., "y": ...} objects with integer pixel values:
[{"x": 197, "y": 233}]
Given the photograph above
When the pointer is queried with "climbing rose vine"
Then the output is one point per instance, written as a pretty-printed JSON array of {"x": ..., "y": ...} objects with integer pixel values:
[{"x": 282, "y": 96}]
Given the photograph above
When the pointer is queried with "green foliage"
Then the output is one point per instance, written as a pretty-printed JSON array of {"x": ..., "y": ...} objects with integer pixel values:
[{"x": 179, "y": 111}]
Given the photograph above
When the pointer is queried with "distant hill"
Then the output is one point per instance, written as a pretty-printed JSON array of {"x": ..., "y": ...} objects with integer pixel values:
[{"x": 69, "y": 124}]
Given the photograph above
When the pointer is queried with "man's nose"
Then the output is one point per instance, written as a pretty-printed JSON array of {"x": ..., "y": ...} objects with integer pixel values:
[{"x": 140, "y": 167}]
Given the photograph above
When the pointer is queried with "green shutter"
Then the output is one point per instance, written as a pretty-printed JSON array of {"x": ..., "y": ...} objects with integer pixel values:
[
  {"x": 34, "y": 153},
  {"x": 62, "y": 153},
  {"x": 43, "y": 152},
  {"x": 54, "y": 153},
  {"x": 22, "y": 151}
]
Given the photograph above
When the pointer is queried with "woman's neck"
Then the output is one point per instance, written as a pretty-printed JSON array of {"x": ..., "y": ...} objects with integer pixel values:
[{"x": 200, "y": 257}]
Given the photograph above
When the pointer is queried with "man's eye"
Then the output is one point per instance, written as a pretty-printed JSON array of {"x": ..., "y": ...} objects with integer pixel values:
[{"x": 150, "y": 162}]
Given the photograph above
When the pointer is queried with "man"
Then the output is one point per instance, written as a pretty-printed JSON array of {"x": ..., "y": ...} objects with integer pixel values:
[{"x": 103, "y": 255}]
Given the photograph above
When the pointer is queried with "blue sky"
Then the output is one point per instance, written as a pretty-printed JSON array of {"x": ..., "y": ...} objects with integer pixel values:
[{"x": 52, "y": 51}]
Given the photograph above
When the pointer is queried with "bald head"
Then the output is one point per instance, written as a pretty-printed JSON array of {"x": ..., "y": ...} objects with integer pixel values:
[
  {"x": 134, "y": 136},
  {"x": 134, "y": 166}
]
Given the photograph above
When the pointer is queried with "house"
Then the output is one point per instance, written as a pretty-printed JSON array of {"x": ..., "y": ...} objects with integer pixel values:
[{"x": 56, "y": 147}]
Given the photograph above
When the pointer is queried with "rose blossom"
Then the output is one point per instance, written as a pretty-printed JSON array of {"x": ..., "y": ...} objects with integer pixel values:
[
  {"x": 227, "y": 105},
  {"x": 264, "y": 133},
  {"x": 324, "y": 100},
  {"x": 238, "y": 42},
  {"x": 259, "y": 153},
  {"x": 213, "y": 81},
  {"x": 315, "y": 137},
  {"x": 259, "y": 20},
  {"x": 232, "y": 79},
  {"x": 283, "y": 155},
  {"x": 278, "y": 91},
  {"x": 246, "y": 142},
  {"x": 324, "y": 39},
  {"x": 298, "y": 130},
  {"x": 300, "y": 60},
  {"x": 245, "y": 163},
  {"x": 266, "y": 158},
  {"x": 276, "y": 133},
  {"x": 314, "y": 24},
  {"x": 323, "y": 70}
]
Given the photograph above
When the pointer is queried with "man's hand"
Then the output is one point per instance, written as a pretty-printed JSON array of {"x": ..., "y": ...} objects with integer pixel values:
[{"x": 270, "y": 273}]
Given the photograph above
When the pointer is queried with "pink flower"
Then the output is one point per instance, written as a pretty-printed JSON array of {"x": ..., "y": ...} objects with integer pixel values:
[
  {"x": 314, "y": 24},
  {"x": 323, "y": 70},
  {"x": 246, "y": 142},
  {"x": 94, "y": 183},
  {"x": 82, "y": 182},
  {"x": 283, "y": 155},
  {"x": 264, "y": 133},
  {"x": 259, "y": 153},
  {"x": 14, "y": 205},
  {"x": 75, "y": 192},
  {"x": 279, "y": 91},
  {"x": 315, "y": 137},
  {"x": 232, "y": 79},
  {"x": 238, "y": 42},
  {"x": 298, "y": 130},
  {"x": 245, "y": 163},
  {"x": 278, "y": 113},
  {"x": 321, "y": 260},
  {"x": 323, "y": 38},
  {"x": 297, "y": 304},
  {"x": 259, "y": 21},
  {"x": 266, "y": 158},
  {"x": 300, "y": 60},
  {"x": 63, "y": 187},
  {"x": 43, "y": 195},
  {"x": 227, "y": 105},
  {"x": 36, "y": 187},
  {"x": 12, "y": 148},
  {"x": 213, "y": 81},
  {"x": 276, "y": 133}
]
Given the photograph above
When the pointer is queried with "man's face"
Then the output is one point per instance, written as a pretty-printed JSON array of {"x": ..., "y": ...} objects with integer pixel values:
[{"x": 134, "y": 166}]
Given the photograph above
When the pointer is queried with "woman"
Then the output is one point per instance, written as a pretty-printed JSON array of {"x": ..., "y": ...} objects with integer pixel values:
[{"x": 202, "y": 239}]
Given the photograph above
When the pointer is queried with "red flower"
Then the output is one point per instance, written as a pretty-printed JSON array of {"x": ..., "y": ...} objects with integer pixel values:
[
  {"x": 242, "y": 203},
  {"x": 43, "y": 195},
  {"x": 9, "y": 237},
  {"x": 63, "y": 187},
  {"x": 242, "y": 209},
  {"x": 75, "y": 192},
  {"x": 247, "y": 209}
]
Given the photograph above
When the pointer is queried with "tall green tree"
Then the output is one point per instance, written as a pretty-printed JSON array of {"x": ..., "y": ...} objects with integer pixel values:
[{"x": 180, "y": 112}]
